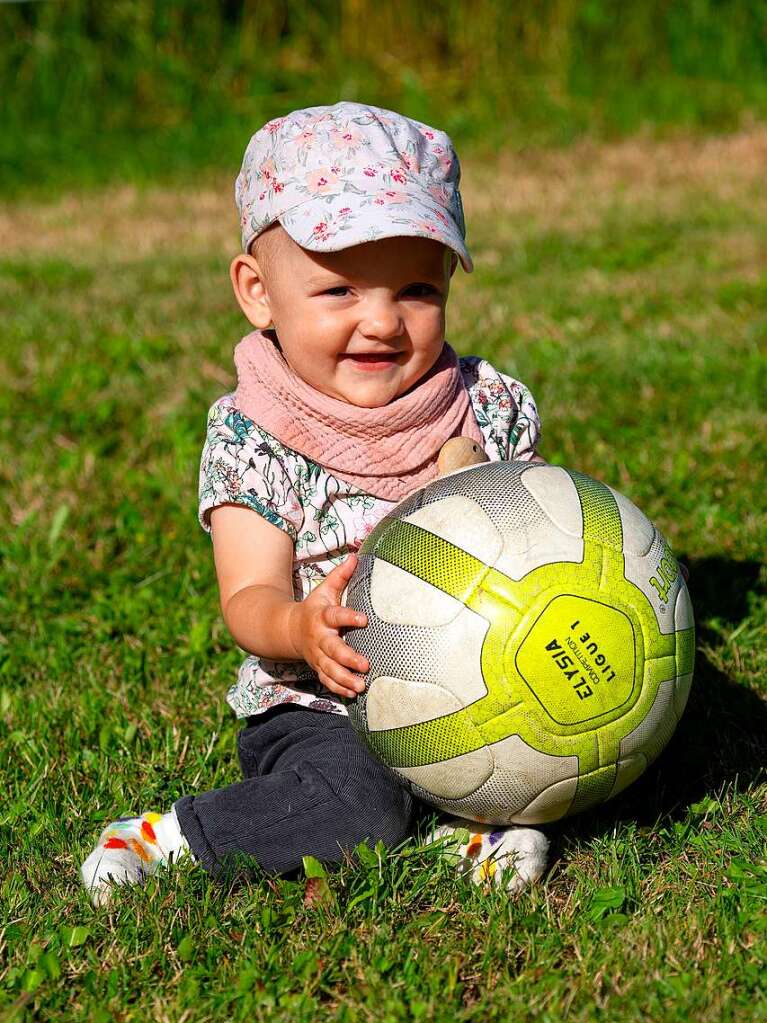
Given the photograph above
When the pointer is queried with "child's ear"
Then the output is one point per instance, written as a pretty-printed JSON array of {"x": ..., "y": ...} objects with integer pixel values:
[{"x": 249, "y": 290}]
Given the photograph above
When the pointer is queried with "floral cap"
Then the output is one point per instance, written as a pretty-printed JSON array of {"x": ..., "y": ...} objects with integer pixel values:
[{"x": 342, "y": 175}]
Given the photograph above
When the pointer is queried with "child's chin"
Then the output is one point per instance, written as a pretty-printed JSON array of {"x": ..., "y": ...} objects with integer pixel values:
[
  {"x": 370, "y": 394},
  {"x": 369, "y": 400}
]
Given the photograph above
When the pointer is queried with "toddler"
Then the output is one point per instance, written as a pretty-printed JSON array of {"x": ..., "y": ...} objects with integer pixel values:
[{"x": 352, "y": 227}]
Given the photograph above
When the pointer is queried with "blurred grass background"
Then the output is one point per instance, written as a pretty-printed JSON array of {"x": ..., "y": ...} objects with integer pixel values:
[
  {"x": 143, "y": 89},
  {"x": 615, "y": 159}
]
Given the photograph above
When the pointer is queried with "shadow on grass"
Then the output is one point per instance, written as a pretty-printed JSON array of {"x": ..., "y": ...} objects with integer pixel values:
[{"x": 722, "y": 737}]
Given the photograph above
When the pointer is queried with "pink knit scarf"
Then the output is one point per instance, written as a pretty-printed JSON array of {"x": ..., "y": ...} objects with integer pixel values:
[{"x": 388, "y": 451}]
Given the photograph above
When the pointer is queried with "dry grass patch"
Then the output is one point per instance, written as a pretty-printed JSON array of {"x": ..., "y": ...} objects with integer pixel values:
[{"x": 568, "y": 189}]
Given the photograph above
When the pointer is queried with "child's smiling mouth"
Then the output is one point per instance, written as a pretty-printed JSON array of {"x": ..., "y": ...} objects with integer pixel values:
[{"x": 372, "y": 360}]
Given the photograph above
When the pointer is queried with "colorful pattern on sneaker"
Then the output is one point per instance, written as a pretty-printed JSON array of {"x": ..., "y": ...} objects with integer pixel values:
[
  {"x": 129, "y": 850},
  {"x": 491, "y": 855},
  {"x": 121, "y": 835}
]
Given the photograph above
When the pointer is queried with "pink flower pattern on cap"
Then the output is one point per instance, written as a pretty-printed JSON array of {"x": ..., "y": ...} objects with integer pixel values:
[{"x": 347, "y": 174}]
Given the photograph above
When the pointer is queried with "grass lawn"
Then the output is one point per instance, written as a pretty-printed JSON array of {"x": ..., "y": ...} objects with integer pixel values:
[{"x": 627, "y": 285}]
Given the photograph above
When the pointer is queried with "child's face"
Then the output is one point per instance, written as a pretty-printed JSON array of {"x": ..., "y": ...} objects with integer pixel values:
[{"x": 363, "y": 324}]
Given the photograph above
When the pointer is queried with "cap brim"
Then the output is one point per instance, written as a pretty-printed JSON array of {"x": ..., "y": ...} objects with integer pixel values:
[{"x": 332, "y": 223}]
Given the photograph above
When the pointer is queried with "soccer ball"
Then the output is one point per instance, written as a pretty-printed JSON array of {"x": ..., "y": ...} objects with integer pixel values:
[{"x": 530, "y": 639}]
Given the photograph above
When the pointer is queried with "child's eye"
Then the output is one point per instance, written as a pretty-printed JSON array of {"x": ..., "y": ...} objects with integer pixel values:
[
  {"x": 421, "y": 290},
  {"x": 341, "y": 290}
]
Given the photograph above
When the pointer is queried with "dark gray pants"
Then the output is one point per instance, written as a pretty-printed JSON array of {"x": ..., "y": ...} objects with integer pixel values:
[{"x": 311, "y": 788}]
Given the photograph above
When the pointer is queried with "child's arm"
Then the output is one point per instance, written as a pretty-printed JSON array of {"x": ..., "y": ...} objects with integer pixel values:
[{"x": 254, "y": 565}]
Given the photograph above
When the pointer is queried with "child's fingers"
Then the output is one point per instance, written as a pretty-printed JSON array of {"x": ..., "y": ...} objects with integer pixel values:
[
  {"x": 334, "y": 687},
  {"x": 335, "y": 582},
  {"x": 337, "y": 617},
  {"x": 338, "y": 679},
  {"x": 340, "y": 652}
]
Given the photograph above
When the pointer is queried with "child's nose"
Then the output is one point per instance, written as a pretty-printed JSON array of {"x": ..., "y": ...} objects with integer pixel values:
[{"x": 382, "y": 320}]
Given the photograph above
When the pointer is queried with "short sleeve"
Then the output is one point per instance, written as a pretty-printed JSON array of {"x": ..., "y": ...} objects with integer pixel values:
[
  {"x": 505, "y": 411},
  {"x": 525, "y": 434},
  {"x": 243, "y": 464}
]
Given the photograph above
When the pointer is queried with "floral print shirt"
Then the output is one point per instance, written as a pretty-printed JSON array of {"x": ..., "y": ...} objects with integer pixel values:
[{"x": 326, "y": 517}]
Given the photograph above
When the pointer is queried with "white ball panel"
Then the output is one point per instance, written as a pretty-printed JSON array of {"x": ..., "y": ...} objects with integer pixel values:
[
  {"x": 462, "y": 671},
  {"x": 517, "y": 780},
  {"x": 555, "y": 492},
  {"x": 401, "y": 598},
  {"x": 638, "y": 531},
  {"x": 455, "y": 778},
  {"x": 529, "y": 766},
  {"x": 519, "y": 765},
  {"x": 396, "y": 703},
  {"x": 640, "y": 570},
  {"x": 544, "y": 549},
  {"x": 461, "y": 521},
  {"x": 683, "y": 613},
  {"x": 549, "y": 805},
  {"x": 656, "y": 728},
  {"x": 533, "y": 526}
]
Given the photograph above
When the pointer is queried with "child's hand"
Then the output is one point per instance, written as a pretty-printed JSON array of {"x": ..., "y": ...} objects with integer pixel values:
[{"x": 317, "y": 622}]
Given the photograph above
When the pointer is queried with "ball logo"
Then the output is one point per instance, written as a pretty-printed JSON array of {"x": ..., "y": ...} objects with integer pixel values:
[
  {"x": 666, "y": 574},
  {"x": 579, "y": 661}
]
